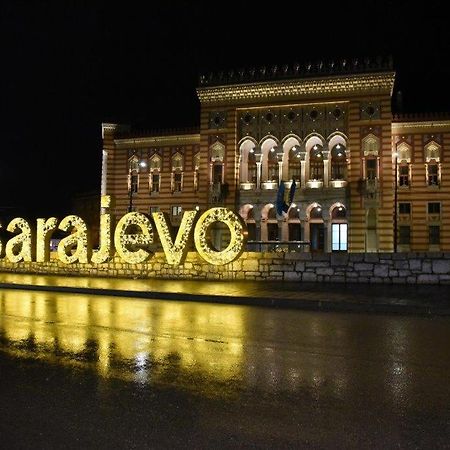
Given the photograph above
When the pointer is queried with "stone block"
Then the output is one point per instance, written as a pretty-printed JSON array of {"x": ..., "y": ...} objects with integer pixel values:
[
  {"x": 339, "y": 259},
  {"x": 324, "y": 271},
  {"x": 415, "y": 264},
  {"x": 292, "y": 276},
  {"x": 376, "y": 280},
  {"x": 427, "y": 279},
  {"x": 399, "y": 280},
  {"x": 306, "y": 256},
  {"x": 356, "y": 257},
  {"x": 309, "y": 276},
  {"x": 441, "y": 266},
  {"x": 363, "y": 266},
  {"x": 402, "y": 264},
  {"x": 317, "y": 264},
  {"x": 371, "y": 257},
  {"x": 300, "y": 267},
  {"x": 250, "y": 265},
  {"x": 381, "y": 270},
  {"x": 426, "y": 267}
]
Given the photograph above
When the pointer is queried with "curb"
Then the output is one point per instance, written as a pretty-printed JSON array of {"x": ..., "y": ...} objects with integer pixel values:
[{"x": 285, "y": 303}]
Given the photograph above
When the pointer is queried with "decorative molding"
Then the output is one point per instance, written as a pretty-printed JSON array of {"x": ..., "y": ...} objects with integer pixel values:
[
  {"x": 410, "y": 127},
  {"x": 319, "y": 87},
  {"x": 158, "y": 140}
]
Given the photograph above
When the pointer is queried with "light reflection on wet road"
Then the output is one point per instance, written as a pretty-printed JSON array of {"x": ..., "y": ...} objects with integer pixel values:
[{"x": 272, "y": 378}]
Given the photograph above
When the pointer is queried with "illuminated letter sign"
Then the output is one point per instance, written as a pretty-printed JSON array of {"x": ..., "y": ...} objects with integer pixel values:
[
  {"x": 175, "y": 252},
  {"x": 131, "y": 247},
  {"x": 44, "y": 230},
  {"x": 78, "y": 240},
  {"x": 237, "y": 232},
  {"x": 104, "y": 253},
  {"x": 20, "y": 247}
]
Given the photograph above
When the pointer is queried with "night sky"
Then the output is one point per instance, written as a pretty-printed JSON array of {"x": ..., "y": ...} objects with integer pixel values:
[{"x": 68, "y": 66}]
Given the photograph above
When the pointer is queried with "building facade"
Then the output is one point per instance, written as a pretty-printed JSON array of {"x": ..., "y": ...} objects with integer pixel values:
[{"x": 303, "y": 153}]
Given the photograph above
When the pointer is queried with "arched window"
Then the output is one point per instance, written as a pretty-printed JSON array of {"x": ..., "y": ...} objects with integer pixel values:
[
  {"x": 133, "y": 174},
  {"x": 155, "y": 174},
  {"x": 316, "y": 163},
  {"x": 252, "y": 169},
  {"x": 403, "y": 159},
  {"x": 338, "y": 162},
  {"x": 177, "y": 173},
  {"x": 272, "y": 163},
  {"x": 294, "y": 163},
  {"x": 371, "y": 145},
  {"x": 433, "y": 167}
]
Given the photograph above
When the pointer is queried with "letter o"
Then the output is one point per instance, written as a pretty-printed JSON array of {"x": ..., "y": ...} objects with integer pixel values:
[{"x": 238, "y": 234}]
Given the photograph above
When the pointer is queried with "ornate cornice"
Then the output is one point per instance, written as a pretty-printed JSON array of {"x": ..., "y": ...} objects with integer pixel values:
[
  {"x": 421, "y": 127},
  {"x": 376, "y": 83},
  {"x": 113, "y": 127},
  {"x": 158, "y": 140}
]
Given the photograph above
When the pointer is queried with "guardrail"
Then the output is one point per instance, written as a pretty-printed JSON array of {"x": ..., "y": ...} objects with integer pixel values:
[{"x": 277, "y": 246}]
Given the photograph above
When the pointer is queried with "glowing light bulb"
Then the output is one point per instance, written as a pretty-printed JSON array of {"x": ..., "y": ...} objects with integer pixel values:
[{"x": 143, "y": 164}]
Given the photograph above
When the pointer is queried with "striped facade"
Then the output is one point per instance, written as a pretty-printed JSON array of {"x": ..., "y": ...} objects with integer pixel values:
[{"x": 333, "y": 134}]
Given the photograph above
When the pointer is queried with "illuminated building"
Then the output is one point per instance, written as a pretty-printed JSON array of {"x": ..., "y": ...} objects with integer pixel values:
[{"x": 361, "y": 174}]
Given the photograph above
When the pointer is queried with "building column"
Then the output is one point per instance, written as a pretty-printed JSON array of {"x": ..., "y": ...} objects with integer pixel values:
[
  {"x": 305, "y": 234},
  {"x": 258, "y": 175},
  {"x": 326, "y": 175},
  {"x": 303, "y": 173}
]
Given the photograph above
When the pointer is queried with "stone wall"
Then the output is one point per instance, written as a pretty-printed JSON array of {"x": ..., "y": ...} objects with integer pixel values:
[{"x": 399, "y": 268}]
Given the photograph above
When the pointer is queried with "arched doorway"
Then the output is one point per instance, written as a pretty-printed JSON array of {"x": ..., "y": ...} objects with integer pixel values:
[{"x": 316, "y": 228}]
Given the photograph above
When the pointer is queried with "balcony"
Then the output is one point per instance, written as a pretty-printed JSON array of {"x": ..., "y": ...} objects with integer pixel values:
[
  {"x": 338, "y": 183},
  {"x": 314, "y": 184},
  {"x": 269, "y": 185},
  {"x": 247, "y": 186}
]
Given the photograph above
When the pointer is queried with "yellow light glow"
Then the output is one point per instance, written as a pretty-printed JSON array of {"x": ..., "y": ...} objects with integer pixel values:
[
  {"x": 131, "y": 247},
  {"x": 20, "y": 247},
  {"x": 175, "y": 252},
  {"x": 78, "y": 240},
  {"x": 44, "y": 231},
  {"x": 105, "y": 252},
  {"x": 238, "y": 234}
]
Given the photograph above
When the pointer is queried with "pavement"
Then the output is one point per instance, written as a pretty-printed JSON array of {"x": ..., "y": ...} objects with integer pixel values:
[{"x": 397, "y": 299}]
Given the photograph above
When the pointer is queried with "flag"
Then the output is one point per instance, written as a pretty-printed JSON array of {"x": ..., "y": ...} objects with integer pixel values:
[
  {"x": 280, "y": 199},
  {"x": 292, "y": 192}
]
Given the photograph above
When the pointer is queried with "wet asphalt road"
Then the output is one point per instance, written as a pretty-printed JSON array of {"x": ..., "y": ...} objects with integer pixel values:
[{"x": 103, "y": 372}]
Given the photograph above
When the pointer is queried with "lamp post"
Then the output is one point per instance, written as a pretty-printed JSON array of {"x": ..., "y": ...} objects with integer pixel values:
[{"x": 395, "y": 201}]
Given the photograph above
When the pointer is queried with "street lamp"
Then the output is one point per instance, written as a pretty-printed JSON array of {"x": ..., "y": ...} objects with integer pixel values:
[{"x": 395, "y": 201}]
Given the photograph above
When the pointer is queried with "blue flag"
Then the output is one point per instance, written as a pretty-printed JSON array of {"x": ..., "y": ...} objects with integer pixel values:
[
  {"x": 280, "y": 199},
  {"x": 292, "y": 192}
]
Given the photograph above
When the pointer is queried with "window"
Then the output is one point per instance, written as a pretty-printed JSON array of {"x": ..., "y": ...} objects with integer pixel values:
[
  {"x": 272, "y": 165},
  {"x": 134, "y": 183},
  {"x": 294, "y": 163},
  {"x": 177, "y": 182},
  {"x": 371, "y": 169},
  {"x": 403, "y": 175},
  {"x": 339, "y": 237},
  {"x": 434, "y": 208},
  {"x": 434, "y": 234},
  {"x": 404, "y": 208},
  {"x": 433, "y": 175},
  {"x": 155, "y": 182},
  {"x": 338, "y": 162},
  {"x": 176, "y": 211},
  {"x": 404, "y": 237},
  {"x": 251, "y": 167},
  {"x": 316, "y": 163}
]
